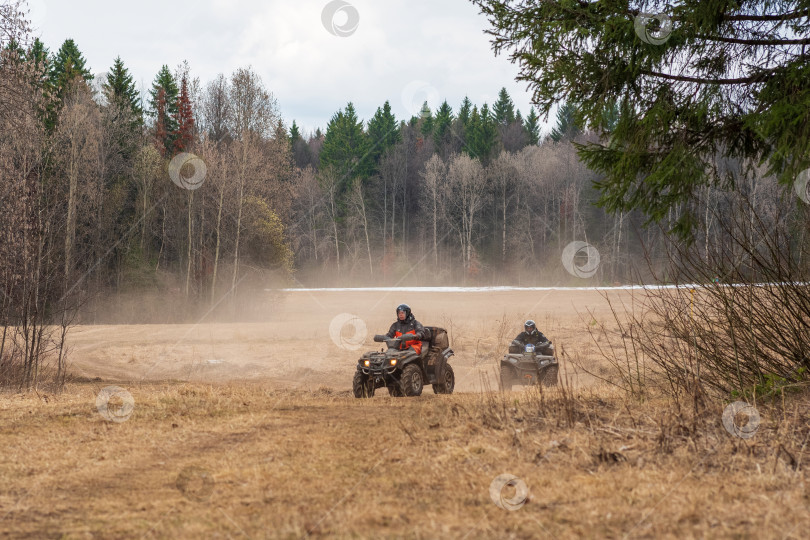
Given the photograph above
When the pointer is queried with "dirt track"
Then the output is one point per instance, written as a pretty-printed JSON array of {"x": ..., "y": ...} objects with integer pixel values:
[{"x": 294, "y": 347}]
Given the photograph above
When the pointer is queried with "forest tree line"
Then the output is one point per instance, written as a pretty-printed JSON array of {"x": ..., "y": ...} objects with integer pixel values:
[{"x": 472, "y": 195}]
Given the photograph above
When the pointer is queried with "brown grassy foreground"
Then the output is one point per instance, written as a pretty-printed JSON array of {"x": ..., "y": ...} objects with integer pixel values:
[{"x": 198, "y": 460}]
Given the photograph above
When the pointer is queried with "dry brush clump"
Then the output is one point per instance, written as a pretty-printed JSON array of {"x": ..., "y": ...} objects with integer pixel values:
[{"x": 733, "y": 316}]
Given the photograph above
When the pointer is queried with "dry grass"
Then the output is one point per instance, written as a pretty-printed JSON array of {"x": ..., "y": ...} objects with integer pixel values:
[
  {"x": 201, "y": 460},
  {"x": 224, "y": 458}
]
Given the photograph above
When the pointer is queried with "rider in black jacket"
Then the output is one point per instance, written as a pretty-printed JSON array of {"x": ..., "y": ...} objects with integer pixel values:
[
  {"x": 531, "y": 335},
  {"x": 407, "y": 324}
]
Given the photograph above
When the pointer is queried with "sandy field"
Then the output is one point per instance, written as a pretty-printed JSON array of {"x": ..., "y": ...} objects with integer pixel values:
[
  {"x": 314, "y": 338},
  {"x": 251, "y": 431}
]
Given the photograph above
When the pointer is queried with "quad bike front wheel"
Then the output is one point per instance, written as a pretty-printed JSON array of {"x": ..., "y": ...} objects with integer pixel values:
[
  {"x": 410, "y": 382},
  {"x": 550, "y": 376},
  {"x": 362, "y": 386},
  {"x": 448, "y": 382}
]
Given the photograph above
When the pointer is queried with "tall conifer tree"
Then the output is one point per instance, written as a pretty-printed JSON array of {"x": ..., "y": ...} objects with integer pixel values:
[
  {"x": 67, "y": 64},
  {"x": 532, "y": 125},
  {"x": 121, "y": 88},
  {"x": 504, "y": 109},
  {"x": 345, "y": 148},
  {"x": 444, "y": 119},
  {"x": 383, "y": 131},
  {"x": 184, "y": 119},
  {"x": 165, "y": 115}
]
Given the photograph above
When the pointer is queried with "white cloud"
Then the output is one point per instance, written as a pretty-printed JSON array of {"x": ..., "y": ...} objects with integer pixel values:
[{"x": 311, "y": 72}]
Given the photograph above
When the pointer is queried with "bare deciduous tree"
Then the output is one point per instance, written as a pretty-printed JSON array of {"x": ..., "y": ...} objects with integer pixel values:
[
  {"x": 466, "y": 182},
  {"x": 254, "y": 114},
  {"x": 77, "y": 145},
  {"x": 435, "y": 183}
]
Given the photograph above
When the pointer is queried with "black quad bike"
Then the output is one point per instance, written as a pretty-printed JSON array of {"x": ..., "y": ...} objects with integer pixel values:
[
  {"x": 529, "y": 364},
  {"x": 404, "y": 372}
]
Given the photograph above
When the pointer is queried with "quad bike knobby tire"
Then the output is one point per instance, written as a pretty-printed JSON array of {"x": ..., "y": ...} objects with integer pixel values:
[
  {"x": 410, "y": 382},
  {"x": 362, "y": 386},
  {"x": 448, "y": 384},
  {"x": 395, "y": 391},
  {"x": 550, "y": 377}
]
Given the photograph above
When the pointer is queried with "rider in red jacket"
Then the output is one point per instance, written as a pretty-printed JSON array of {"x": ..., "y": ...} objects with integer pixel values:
[{"x": 407, "y": 324}]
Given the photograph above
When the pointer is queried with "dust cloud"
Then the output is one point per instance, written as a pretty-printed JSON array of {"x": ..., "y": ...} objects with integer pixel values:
[{"x": 312, "y": 339}]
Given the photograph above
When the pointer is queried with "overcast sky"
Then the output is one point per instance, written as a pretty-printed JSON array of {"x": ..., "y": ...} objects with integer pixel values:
[{"x": 403, "y": 51}]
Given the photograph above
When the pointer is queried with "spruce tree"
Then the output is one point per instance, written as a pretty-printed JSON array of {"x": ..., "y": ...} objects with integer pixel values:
[
  {"x": 568, "y": 125},
  {"x": 301, "y": 152},
  {"x": 345, "y": 148},
  {"x": 184, "y": 119},
  {"x": 167, "y": 113},
  {"x": 295, "y": 133},
  {"x": 532, "y": 126},
  {"x": 504, "y": 109},
  {"x": 40, "y": 55},
  {"x": 443, "y": 122},
  {"x": 67, "y": 64},
  {"x": 383, "y": 132},
  {"x": 464, "y": 112},
  {"x": 121, "y": 88},
  {"x": 696, "y": 84},
  {"x": 473, "y": 134},
  {"x": 610, "y": 117},
  {"x": 461, "y": 125},
  {"x": 489, "y": 131}
]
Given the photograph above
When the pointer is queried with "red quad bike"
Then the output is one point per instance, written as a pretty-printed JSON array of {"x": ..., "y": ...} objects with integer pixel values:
[{"x": 404, "y": 372}]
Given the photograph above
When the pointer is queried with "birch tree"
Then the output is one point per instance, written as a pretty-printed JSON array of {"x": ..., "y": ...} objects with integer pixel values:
[
  {"x": 254, "y": 114},
  {"x": 435, "y": 178},
  {"x": 466, "y": 182}
]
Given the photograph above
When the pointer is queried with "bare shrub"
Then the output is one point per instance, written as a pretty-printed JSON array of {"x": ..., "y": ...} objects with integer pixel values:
[
  {"x": 33, "y": 320},
  {"x": 734, "y": 316}
]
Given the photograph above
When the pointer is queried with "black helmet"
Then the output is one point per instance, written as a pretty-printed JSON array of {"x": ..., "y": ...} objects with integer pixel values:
[
  {"x": 529, "y": 326},
  {"x": 406, "y": 308}
]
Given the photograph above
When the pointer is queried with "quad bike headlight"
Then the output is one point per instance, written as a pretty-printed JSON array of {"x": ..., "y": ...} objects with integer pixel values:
[
  {"x": 393, "y": 361},
  {"x": 366, "y": 363}
]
